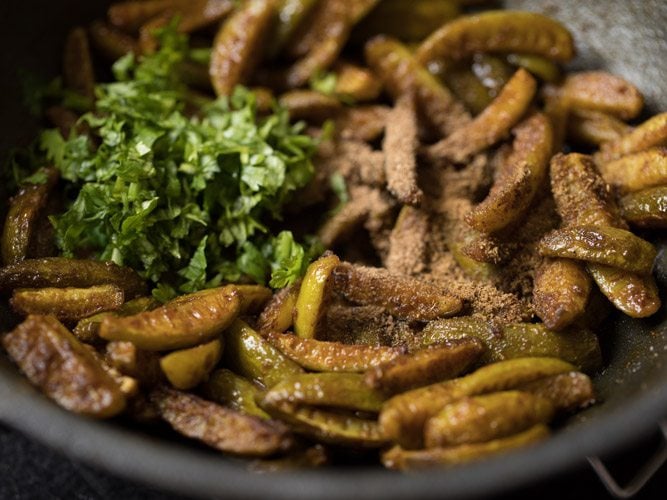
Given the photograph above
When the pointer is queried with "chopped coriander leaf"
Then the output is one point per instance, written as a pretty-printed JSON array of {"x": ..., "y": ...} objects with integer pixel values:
[{"x": 183, "y": 196}]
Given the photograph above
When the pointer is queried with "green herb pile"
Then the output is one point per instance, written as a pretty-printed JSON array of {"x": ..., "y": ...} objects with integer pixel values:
[{"x": 178, "y": 187}]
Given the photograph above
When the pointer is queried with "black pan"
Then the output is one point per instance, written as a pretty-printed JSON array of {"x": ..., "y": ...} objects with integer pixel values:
[{"x": 628, "y": 38}]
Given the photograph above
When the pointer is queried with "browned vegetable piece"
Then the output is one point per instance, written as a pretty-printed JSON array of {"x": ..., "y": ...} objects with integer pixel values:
[
  {"x": 327, "y": 34},
  {"x": 318, "y": 355},
  {"x": 637, "y": 171},
  {"x": 67, "y": 304},
  {"x": 539, "y": 66},
  {"x": 401, "y": 459},
  {"x": 64, "y": 119},
  {"x": 499, "y": 31},
  {"x": 62, "y": 272},
  {"x": 184, "y": 322},
  {"x": 426, "y": 366},
  {"x": 131, "y": 15},
  {"x": 253, "y": 298},
  {"x": 651, "y": 133},
  {"x": 78, "y": 71},
  {"x": 292, "y": 15},
  {"x": 227, "y": 388},
  {"x": 356, "y": 83},
  {"x": 87, "y": 330},
  {"x": 402, "y": 74},
  {"x": 361, "y": 123},
  {"x": 483, "y": 418},
  {"x": 566, "y": 391},
  {"x": 408, "y": 21},
  {"x": 515, "y": 188},
  {"x": 219, "y": 427},
  {"x": 402, "y": 296},
  {"x": 594, "y": 127},
  {"x": 576, "y": 345},
  {"x": 63, "y": 368},
  {"x": 237, "y": 45},
  {"x": 197, "y": 14},
  {"x": 148, "y": 40},
  {"x": 187, "y": 368},
  {"x": 311, "y": 303},
  {"x": 309, "y": 105},
  {"x": 637, "y": 296},
  {"x": 602, "y": 91},
  {"x": 407, "y": 242},
  {"x": 111, "y": 42},
  {"x": 646, "y": 208},
  {"x": 330, "y": 427},
  {"x": 134, "y": 362},
  {"x": 560, "y": 292},
  {"x": 400, "y": 151},
  {"x": 468, "y": 88},
  {"x": 279, "y": 311},
  {"x": 252, "y": 356},
  {"x": 492, "y": 124},
  {"x": 403, "y": 417},
  {"x": 581, "y": 196},
  {"x": 22, "y": 217},
  {"x": 601, "y": 244},
  {"x": 493, "y": 72},
  {"x": 335, "y": 390}
]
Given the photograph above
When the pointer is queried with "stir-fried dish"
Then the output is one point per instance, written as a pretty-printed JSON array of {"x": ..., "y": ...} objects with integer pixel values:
[{"x": 282, "y": 227}]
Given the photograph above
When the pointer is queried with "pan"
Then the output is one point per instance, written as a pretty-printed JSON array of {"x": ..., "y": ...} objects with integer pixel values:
[{"x": 626, "y": 38}]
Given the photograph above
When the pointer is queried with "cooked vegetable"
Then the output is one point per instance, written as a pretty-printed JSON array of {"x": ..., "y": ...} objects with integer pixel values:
[
  {"x": 67, "y": 304},
  {"x": 468, "y": 88},
  {"x": 602, "y": 91},
  {"x": 291, "y": 15},
  {"x": 222, "y": 428},
  {"x": 237, "y": 45},
  {"x": 87, "y": 329},
  {"x": 402, "y": 296},
  {"x": 426, "y": 366},
  {"x": 361, "y": 123},
  {"x": 637, "y": 171},
  {"x": 402, "y": 74},
  {"x": 407, "y": 21},
  {"x": 313, "y": 296},
  {"x": 483, "y": 418},
  {"x": 63, "y": 368},
  {"x": 138, "y": 363},
  {"x": 498, "y": 31},
  {"x": 61, "y": 272},
  {"x": 356, "y": 83},
  {"x": 399, "y": 458},
  {"x": 566, "y": 391},
  {"x": 407, "y": 242},
  {"x": 337, "y": 390},
  {"x": 111, "y": 42},
  {"x": 540, "y": 66},
  {"x": 187, "y": 368},
  {"x": 184, "y": 322},
  {"x": 646, "y": 208},
  {"x": 252, "y": 297},
  {"x": 399, "y": 147},
  {"x": 309, "y": 105},
  {"x": 635, "y": 295},
  {"x": 403, "y": 417},
  {"x": 576, "y": 345},
  {"x": 649, "y": 134},
  {"x": 226, "y": 388},
  {"x": 78, "y": 64},
  {"x": 318, "y": 355},
  {"x": 560, "y": 292},
  {"x": 492, "y": 124},
  {"x": 329, "y": 427},
  {"x": 278, "y": 314},
  {"x": 251, "y": 356},
  {"x": 514, "y": 190},
  {"x": 22, "y": 217},
  {"x": 594, "y": 127}
]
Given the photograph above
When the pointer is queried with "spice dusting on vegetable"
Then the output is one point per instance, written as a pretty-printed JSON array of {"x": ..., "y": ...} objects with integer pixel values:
[{"x": 447, "y": 309}]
